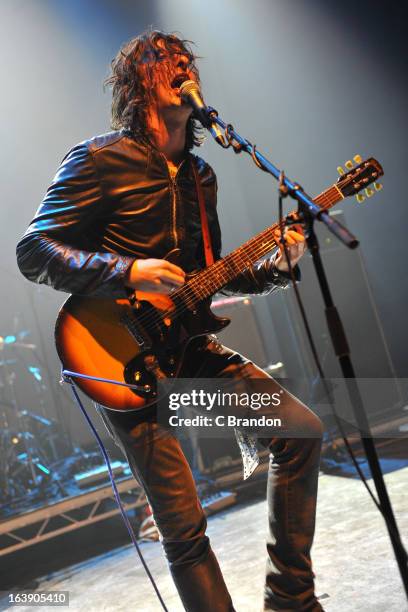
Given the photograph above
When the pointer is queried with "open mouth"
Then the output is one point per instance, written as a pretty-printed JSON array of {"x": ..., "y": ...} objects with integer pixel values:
[{"x": 178, "y": 80}]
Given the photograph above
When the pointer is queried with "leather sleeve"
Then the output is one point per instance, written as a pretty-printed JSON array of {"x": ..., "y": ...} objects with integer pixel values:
[
  {"x": 52, "y": 251},
  {"x": 262, "y": 278}
]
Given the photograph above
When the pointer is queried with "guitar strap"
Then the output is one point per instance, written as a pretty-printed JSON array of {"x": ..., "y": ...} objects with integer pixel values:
[
  {"x": 247, "y": 443},
  {"x": 208, "y": 252}
]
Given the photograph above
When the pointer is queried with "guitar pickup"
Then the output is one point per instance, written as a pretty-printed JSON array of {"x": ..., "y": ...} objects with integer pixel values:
[{"x": 136, "y": 331}]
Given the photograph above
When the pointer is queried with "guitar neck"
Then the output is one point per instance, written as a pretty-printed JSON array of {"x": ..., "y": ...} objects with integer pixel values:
[{"x": 210, "y": 280}]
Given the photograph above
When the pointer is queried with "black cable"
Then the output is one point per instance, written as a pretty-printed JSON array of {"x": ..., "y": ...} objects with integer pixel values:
[
  {"x": 245, "y": 145},
  {"x": 313, "y": 348},
  {"x": 125, "y": 518},
  {"x": 282, "y": 194}
]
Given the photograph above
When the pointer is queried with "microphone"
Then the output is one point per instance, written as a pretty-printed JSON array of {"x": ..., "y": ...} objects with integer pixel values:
[{"x": 190, "y": 93}]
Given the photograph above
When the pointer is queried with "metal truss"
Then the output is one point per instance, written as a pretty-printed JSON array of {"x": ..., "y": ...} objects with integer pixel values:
[{"x": 73, "y": 513}]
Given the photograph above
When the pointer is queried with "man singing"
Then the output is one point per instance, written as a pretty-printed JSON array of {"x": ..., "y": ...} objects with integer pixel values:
[{"x": 118, "y": 205}]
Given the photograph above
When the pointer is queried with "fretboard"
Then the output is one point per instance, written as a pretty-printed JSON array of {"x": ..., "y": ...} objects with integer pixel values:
[{"x": 207, "y": 282}]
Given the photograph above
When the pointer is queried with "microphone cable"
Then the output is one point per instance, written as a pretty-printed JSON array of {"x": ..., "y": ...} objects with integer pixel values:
[
  {"x": 246, "y": 145},
  {"x": 319, "y": 367}
]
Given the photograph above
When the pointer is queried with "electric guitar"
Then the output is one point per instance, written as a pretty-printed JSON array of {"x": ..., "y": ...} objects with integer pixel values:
[{"x": 140, "y": 342}]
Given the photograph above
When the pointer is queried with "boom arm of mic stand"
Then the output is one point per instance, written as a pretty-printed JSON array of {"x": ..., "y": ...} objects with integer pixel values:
[{"x": 305, "y": 201}]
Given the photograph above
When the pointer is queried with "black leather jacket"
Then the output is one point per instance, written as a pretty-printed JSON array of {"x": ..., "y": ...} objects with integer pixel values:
[{"x": 113, "y": 201}]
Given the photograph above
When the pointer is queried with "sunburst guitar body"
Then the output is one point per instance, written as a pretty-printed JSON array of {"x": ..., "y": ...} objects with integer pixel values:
[
  {"x": 139, "y": 342},
  {"x": 129, "y": 343}
]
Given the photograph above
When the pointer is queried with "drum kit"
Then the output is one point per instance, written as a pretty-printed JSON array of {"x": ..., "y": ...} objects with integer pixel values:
[{"x": 31, "y": 443}]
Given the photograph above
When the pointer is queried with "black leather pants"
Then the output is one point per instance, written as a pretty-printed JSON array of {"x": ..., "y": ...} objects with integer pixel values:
[{"x": 157, "y": 461}]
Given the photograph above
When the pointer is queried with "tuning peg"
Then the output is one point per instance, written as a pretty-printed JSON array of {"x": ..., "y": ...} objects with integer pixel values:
[
  {"x": 340, "y": 170},
  {"x": 358, "y": 159},
  {"x": 369, "y": 192},
  {"x": 360, "y": 198},
  {"x": 349, "y": 164},
  {"x": 377, "y": 186}
]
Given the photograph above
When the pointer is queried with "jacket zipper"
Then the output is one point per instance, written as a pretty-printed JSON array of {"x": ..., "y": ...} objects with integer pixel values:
[
  {"x": 174, "y": 209},
  {"x": 173, "y": 189}
]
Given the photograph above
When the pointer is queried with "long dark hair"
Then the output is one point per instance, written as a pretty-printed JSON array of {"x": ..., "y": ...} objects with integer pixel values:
[{"x": 133, "y": 75}]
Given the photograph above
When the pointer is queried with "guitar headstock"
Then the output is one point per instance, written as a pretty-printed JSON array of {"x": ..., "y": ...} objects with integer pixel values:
[{"x": 360, "y": 176}]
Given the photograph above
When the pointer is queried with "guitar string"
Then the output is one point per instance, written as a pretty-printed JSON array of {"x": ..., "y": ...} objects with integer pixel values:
[
  {"x": 266, "y": 246},
  {"x": 153, "y": 318},
  {"x": 201, "y": 288},
  {"x": 247, "y": 250},
  {"x": 326, "y": 199}
]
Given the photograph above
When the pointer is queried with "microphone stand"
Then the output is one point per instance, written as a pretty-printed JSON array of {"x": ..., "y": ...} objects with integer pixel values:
[
  {"x": 293, "y": 189},
  {"x": 310, "y": 212}
]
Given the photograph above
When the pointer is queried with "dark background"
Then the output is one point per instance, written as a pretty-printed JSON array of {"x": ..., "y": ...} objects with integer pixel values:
[{"x": 311, "y": 83}]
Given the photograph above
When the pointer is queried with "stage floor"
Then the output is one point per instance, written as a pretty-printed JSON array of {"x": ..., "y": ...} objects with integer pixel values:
[{"x": 353, "y": 559}]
